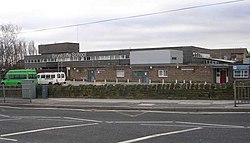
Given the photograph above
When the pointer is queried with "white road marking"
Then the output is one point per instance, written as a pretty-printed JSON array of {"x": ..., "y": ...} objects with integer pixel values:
[
  {"x": 130, "y": 115},
  {"x": 139, "y": 122},
  {"x": 145, "y": 104},
  {"x": 158, "y": 135},
  {"x": 59, "y": 120},
  {"x": 46, "y": 129},
  {"x": 80, "y": 119},
  {"x": 6, "y": 116},
  {"x": 169, "y": 125},
  {"x": 206, "y": 124},
  {"x": 9, "y": 119},
  {"x": 8, "y": 139},
  {"x": 37, "y": 117}
]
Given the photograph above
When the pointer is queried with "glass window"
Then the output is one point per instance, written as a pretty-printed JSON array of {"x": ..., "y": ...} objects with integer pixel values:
[
  {"x": 174, "y": 58},
  {"x": 62, "y": 75},
  {"x": 120, "y": 73},
  {"x": 241, "y": 74},
  {"x": 140, "y": 73},
  {"x": 47, "y": 76},
  {"x": 162, "y": 73},
  {"x": 53, "y": 76},
  {"x": 42, "y": 76},
  {"x": 58, "y": 76},
  {"x": 31, "y": 76}
]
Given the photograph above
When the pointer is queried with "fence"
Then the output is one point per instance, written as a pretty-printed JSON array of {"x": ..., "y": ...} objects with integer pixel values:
[
  {"x": 15, "y": 94},
  {"x": 241, "y": 92}
]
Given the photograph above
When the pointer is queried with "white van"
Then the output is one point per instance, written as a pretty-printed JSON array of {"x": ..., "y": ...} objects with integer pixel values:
[{"x": 51, "y": 78}]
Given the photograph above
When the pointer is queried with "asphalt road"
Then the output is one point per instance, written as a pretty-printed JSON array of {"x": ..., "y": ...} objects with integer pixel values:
[{"x": 26, "y": 125}]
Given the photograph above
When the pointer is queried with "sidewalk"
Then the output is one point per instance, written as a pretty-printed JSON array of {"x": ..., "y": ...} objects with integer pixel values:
[{"x": 127, "y": 104}]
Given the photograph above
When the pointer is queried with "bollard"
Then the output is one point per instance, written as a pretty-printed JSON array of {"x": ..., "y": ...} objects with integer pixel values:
[
  {"x": 116, "y": 81},
  {"x": 128, "y": 81},
  {"x": 3, "y": 93}
]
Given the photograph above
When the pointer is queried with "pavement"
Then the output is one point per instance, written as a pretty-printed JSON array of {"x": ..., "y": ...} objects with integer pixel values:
[{"x": 129, "y": 104}]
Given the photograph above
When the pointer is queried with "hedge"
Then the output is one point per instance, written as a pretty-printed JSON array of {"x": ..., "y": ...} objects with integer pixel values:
[{"x": 143, "y": 91}]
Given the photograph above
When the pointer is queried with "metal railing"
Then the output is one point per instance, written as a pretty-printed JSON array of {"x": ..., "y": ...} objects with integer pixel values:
[
  {"x": 241, "y": 92},
  {"x": 14, "y": 94}
]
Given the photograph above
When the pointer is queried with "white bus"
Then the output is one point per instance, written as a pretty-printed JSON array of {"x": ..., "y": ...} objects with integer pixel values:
[{"x": 51, "y": 78}]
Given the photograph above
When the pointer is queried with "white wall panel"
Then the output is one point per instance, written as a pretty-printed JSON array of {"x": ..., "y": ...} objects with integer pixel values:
[{"x": 156, "y": 57}]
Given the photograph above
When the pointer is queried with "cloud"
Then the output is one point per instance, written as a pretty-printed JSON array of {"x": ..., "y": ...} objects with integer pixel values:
[{"x": 211, "y": 27}]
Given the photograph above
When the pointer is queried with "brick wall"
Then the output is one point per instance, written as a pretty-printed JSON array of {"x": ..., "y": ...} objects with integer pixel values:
[{"x": 179, "y": 73}]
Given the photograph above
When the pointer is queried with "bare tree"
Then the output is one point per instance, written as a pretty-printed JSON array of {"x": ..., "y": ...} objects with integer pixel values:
[
  {"x": 31, "y": 48},
  {"x": 12, "y": 50}
]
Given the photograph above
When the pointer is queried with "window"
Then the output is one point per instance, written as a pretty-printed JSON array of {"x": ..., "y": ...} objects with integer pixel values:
[
  {"x": 53, "y": 76},
  {"x": 47, "y": 76},
  {"x": 42, "y": 76},
  {"x": 120, "y": 73},
  {"x": 17, "y": 76},
  {"x": 162, "y": 73},
  {"x": 32, "y": 76},
  {"x": 62, "y": 75},
  {"x": 58, "y": 76},
  {"x": 174, "y": 58},
  {"x": 140, "y": 73},
  {"x": 241, "y": 74}
]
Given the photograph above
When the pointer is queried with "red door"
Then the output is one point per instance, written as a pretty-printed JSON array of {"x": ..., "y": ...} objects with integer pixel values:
[{"x": 223, "y": 76}]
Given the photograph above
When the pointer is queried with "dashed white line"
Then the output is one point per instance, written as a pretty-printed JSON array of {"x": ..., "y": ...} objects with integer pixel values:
[
  {"x": 6, "y": 116},
  {"x": 46, "y": 129},
  {"x": 2, "y": 120},
  {"x": 158, "y": 135},
  {"x": 139, "y": 122},
  {"x": 206, "y": 124},
  {"x": 130, "y": 115},
  {"x": 80, "y": 119},
  {"x": 8, "y": 139}
]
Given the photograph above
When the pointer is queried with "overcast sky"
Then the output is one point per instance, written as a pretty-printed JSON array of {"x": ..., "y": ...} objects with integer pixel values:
[{"x": 221, "y": 26}]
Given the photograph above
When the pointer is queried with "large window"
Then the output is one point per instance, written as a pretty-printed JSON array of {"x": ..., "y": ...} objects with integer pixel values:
[
  {"x": 241, "y": 74},
  {"x": 162, "y": 73},
  {"x": 140, "y": 73},
  {"x": 120, "y": 73}
]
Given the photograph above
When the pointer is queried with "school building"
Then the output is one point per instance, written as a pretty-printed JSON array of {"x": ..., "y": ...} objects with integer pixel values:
[{"x": 160, "y": 64}]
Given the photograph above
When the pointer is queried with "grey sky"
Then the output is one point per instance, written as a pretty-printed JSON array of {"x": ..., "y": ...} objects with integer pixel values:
[{"x": 222, "y": 26}]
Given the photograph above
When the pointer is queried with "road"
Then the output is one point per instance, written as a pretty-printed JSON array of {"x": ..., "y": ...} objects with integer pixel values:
[{"x": 40, "y": 125}]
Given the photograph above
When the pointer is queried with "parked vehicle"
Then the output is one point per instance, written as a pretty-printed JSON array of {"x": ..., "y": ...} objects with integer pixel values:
[
  {"x": 15, "y": 77},
  {"x": 51, "y": 78}
]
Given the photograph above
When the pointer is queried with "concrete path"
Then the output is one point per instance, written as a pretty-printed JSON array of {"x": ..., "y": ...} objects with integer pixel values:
[{"x": 127, "y": 104}]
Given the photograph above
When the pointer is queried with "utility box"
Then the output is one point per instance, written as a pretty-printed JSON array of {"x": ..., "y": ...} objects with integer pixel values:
[
  {"x": 45, "y": 91},
  {"x": 29, "y": 88}
]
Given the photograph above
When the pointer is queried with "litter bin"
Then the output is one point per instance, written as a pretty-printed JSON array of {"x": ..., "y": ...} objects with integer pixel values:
[{"x": 44, "y": 91}]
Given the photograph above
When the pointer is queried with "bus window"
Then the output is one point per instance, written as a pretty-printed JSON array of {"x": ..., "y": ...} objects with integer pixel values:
[
  {"x": 47, "y": 76},
  {"x": 58, "y": 75},
  {"x": 31, "y": 76},
  {"x": 21, "y": 76},
  {"x": 42, "y": 76},
  {"x": 62, "y": 75},
  {"x": 38, "y": 76},
  {"x": 53, "y": 76}
]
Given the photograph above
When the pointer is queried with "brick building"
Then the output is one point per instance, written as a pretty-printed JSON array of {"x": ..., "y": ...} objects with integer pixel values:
[{"x": 162, "y": 64}]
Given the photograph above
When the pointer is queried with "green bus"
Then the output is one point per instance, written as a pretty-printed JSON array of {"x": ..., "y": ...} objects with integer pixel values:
[{"x": 15, "y": 77}]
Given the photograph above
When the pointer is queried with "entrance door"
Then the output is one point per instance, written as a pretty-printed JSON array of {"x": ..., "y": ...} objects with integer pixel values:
[
  {"x": 223, "y": 75},
  {"x": 91, "y": 75}
]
